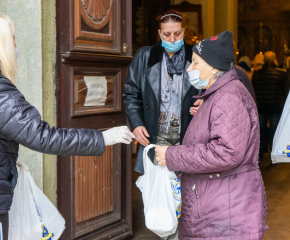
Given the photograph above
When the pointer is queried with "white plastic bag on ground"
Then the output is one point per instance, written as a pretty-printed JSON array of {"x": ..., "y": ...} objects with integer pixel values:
[
  {"x": 32, "y": 216},
  {"x": 281, "y": 143},
  {"x": 161, "y": 193}
]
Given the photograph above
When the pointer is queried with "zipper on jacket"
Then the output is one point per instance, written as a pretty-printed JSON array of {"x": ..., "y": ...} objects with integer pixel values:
[{"x": 197, "y": 199}]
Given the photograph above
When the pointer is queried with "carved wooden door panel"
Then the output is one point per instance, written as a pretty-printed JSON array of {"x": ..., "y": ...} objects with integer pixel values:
[{"x": 94, "y": 52}]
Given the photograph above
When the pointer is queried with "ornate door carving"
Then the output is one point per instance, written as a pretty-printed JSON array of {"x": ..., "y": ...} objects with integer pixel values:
[
  {"x": 96, "y": 13},
  {"x": 94, "y": 193},
  {"x": 97, "y": 26}
]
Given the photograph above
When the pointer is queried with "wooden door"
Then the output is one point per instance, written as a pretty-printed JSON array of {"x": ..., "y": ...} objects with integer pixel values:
[{"x": 94, "y": 52}]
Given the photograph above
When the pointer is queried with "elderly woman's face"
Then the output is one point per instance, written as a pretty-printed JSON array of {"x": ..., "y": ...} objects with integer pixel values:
[
  {"x": 171, "y": 31},
  {"x": 204, "y": 68}
]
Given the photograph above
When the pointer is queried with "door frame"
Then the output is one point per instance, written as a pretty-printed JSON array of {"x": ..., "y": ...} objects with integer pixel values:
[{"x": 67, "y": 59}]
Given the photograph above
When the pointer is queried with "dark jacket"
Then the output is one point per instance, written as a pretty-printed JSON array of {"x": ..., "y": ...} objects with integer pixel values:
[
  {"x": 142, "y": 94},
  {"x": 20, "y": 123},
  {"x": 245, "y": 80},
  {"x": 271, "y": 87}
]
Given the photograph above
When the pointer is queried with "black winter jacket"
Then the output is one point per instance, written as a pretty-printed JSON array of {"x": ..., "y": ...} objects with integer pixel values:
[
  {"x": 271, "y": 88},
  {"x": 20, "y": 123},
  {"x": 142, "y": 94}
]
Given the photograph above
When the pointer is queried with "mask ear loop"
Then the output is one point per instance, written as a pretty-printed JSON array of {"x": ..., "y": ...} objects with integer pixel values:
[
  {"x": 160, "y": 35},
  {"x": 210, "y": 76},
  {"x": 203, "y": 67}
]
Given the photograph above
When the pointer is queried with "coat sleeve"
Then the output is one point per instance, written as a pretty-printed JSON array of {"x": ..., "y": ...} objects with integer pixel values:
[
  {"x": 132, "y": 95},
  {"x": 21, "y": 122},
  {"x": 229, "y": 133}
]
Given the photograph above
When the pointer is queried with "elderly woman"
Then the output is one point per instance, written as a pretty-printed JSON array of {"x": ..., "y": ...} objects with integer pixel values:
[{"x": 222, "y": 188}]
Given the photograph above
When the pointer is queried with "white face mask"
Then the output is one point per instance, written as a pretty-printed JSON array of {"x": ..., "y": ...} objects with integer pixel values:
[
  {"x": 194, "y": 78},
  {"x": 16, "y": 52}
]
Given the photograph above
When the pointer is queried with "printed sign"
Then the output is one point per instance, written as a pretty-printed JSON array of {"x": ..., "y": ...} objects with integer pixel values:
[{"x": 97, "y": 91}]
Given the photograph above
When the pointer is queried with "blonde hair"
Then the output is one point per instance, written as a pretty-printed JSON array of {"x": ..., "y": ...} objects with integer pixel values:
[{"x": 8, "y": 61}]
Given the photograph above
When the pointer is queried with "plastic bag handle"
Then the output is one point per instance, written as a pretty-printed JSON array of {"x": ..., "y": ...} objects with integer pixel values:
[{"x": 145, "y": 154}]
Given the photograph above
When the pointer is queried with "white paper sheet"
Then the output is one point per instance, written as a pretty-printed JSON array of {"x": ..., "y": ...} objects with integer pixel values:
[{"x": 97, "y": 91}]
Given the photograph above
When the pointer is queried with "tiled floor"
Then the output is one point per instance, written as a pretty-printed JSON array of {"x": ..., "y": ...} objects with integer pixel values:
[{"x": 277, "y": 183}]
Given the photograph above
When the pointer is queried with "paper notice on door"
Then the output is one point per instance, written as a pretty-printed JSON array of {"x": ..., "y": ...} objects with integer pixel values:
[
  {"x": 1, "y": 231},
  {"x": 97, "y": 91}
]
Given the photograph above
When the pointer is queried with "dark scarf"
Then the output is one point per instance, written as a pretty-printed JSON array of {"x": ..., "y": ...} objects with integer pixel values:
[{"x": 175, "y": 64}]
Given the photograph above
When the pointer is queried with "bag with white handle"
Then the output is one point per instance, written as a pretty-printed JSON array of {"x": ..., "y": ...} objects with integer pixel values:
[
  {"x": 161, "y": 193},
  {"x": 32, "y": 216},
  {"x": 281, "y": 143}
]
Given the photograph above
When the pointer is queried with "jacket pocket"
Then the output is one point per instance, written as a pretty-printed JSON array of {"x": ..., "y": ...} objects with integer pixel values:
[
  {"x": 213, "y": 196},
  {"x": 196, "y": 191},
  {"x": 190, "y": 202},
  {"x": 13, "y": 171}
]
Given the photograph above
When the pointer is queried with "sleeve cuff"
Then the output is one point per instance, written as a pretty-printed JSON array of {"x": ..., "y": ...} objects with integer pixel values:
[
  {"x": 169, "y": 160},
  {"x": 100, "y": 143},
  {"x": 135, "y": 120}
]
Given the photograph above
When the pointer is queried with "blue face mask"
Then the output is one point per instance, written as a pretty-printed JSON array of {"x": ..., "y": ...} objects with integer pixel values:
[
  {"x": 172, "y": 47},
  {"x": 194, "y": 78}
]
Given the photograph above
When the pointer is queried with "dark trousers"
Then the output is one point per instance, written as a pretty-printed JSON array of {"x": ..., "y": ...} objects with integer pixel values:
[
  {"x": 274, "y": 121},
  {"x": 4, "y": 219}
]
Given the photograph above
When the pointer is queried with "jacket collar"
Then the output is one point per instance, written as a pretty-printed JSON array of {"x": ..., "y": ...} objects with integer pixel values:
[
  {"x": 269, "y": 65},
  {"x": 223, "y": 80},
  {"x": 156, "y": 53}
]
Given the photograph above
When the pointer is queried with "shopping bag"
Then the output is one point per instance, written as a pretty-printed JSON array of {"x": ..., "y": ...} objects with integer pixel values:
[
  {"x": 161, "y": 193},
  {"x": 281, "y": 143},
  {"x": 32, "y": 216}
]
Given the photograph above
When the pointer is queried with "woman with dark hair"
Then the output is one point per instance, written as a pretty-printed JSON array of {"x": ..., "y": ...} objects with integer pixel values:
[{"x": 158, "y": 93}]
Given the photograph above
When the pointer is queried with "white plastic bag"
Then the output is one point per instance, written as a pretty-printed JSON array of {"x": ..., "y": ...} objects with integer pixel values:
[
  {"x": 281, "y": 143},
  {"x": 32, "y": 216},
  {"x": 161, "y": 193}
]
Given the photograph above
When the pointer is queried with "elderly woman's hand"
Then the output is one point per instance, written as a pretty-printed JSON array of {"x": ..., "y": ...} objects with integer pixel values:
[
  {"x": 160, "y": 155},
  {"x": 195, "y": 107}
]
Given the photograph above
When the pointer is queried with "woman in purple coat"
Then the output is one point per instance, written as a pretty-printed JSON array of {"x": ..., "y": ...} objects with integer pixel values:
[{"x": 223, "y": 192}]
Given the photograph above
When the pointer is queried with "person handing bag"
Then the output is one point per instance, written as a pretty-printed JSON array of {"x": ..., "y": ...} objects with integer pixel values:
[
  {"x": 21, "y": 123},
  {"x": 161, "y": 193}
]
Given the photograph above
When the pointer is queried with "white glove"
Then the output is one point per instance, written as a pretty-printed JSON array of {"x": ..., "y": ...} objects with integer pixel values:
[{"x": 118, "y": 135}]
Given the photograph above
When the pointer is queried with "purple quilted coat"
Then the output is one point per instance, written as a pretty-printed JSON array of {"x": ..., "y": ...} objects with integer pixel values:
[{"x": 223, "y": 194}]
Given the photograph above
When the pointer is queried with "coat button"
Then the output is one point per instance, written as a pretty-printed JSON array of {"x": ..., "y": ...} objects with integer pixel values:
[
  {"x": 218, "y": 175},
  {"x": 210, "y": 176},
  {"x": 147, "y": 106}
]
